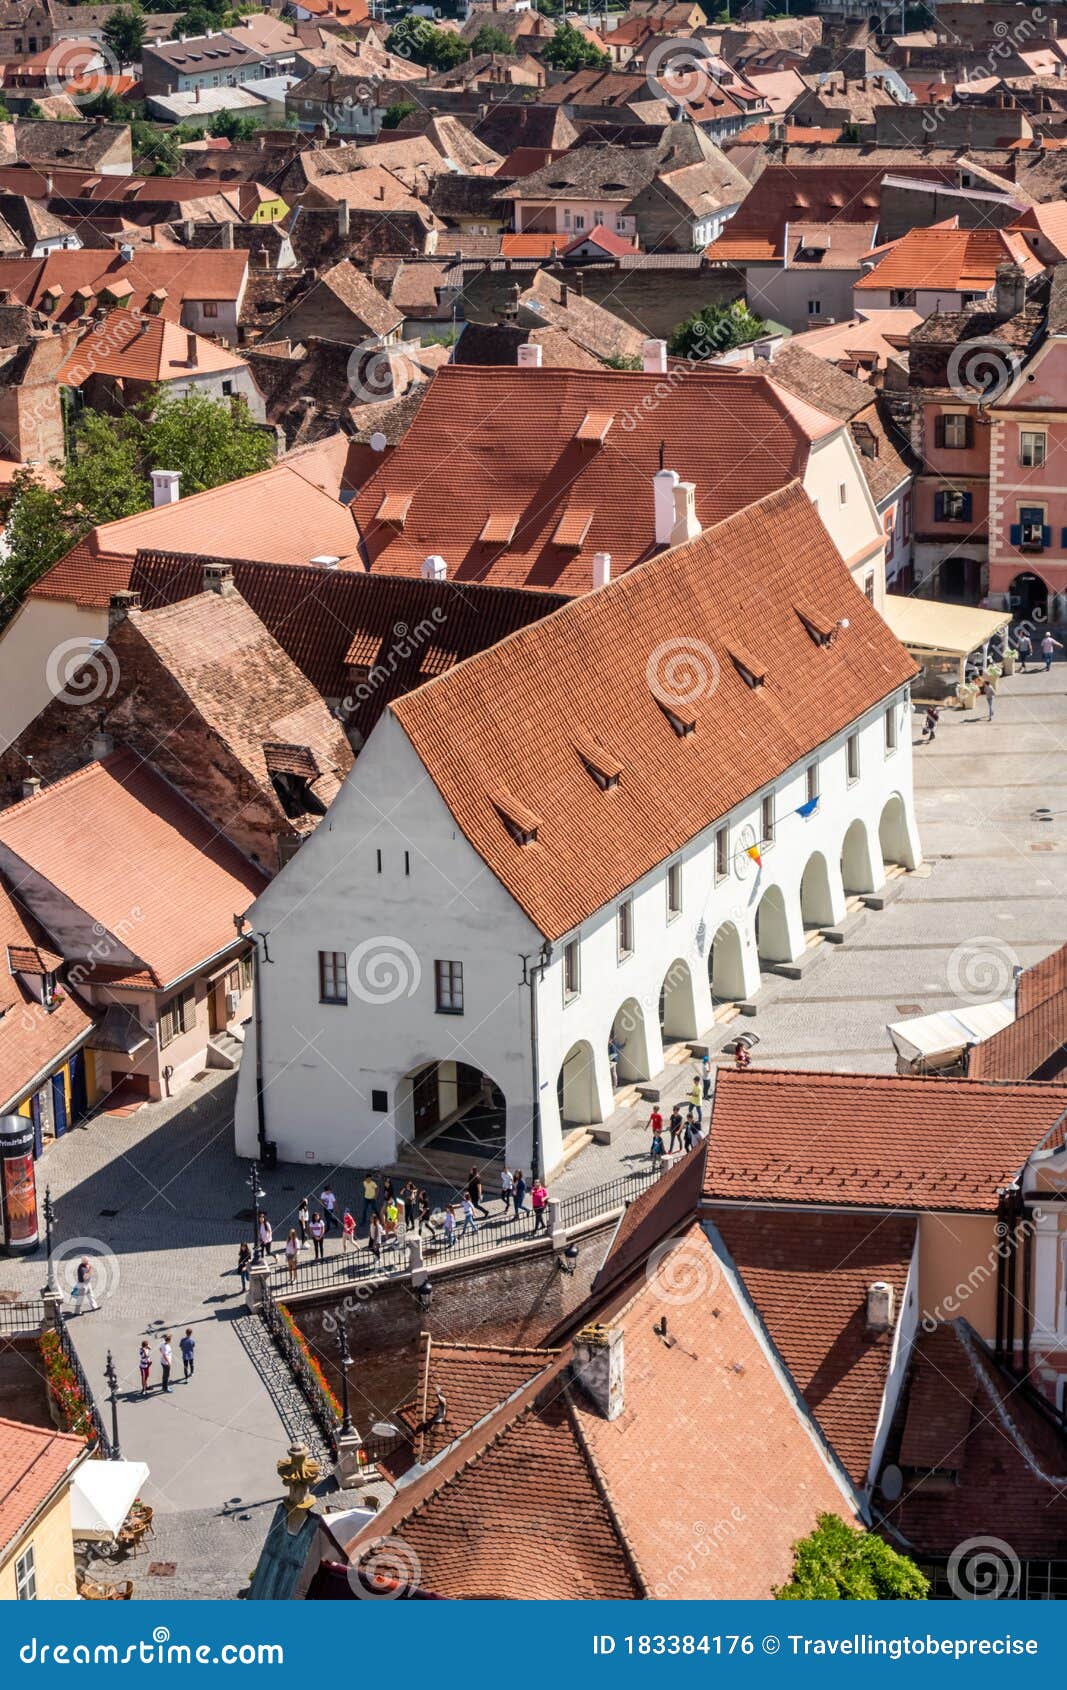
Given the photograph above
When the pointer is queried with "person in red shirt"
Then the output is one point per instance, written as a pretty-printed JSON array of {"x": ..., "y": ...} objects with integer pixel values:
[{"x": 655, "y": 1121}]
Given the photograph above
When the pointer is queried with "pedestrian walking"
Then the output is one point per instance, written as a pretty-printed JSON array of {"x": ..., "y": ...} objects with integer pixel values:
[
  {"x": 166, "y": 1358},
  {"x": 507, "y": 1180},
  {"x": 425, "y": 1216},
  {"x": 303, "y": 1215},
  {"x": 1049, "y": 647},
  {"x": 930, "y": 721},
  {"x": 348, "y": 1231},
  {"x": 83, "y": 1289},
  {"x": 655, "y": 1121},
  {"x": 244, "y": 1262},
  {"x": 329, "y": 1204},
  {"x": 410, "y": 1194},
  {"x": 391, "y": 1220},
  {"x": 705, "y": 1075},
  {"x": 986, "y": 690},
  {"x": 656, "y": 1152},
  {"x": 1024, "y": 650},
  {"x": 292, "y": 1253},
  {"x": 450, "y": 1226},
  {"x": 266, "y": 1235},
  {"x": 696, "y": 1099},
  {"x": 188, "y": 1349},
  {"x": 474, "y": 1192},
  {"x": 317, "y": 1229},
  {"x": 374, "y": 1237},
  {"x": 675, "y": 1125},
  {"x": 690, "y": 1136},
  {"x": 144, "y": 1362},
  {"x": 742, "y": 1056},
  {"x": 370, "y": 1199},
  {"x": 518, "y": 1193},
  {"x": 615, "y": 1050},
  {"x": 539, "y": 1204},
  {"x": 469, "y": 1222}
]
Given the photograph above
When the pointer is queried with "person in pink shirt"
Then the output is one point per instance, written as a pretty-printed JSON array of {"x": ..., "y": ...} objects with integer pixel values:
[
  {"x": 348, "y": 1230},
  {"x": 539, "y": 1202}
]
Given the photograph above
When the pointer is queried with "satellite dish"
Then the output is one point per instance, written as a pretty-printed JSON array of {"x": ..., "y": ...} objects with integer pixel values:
[
  {"x": 384, "y": 1429},
  {"x": 378, "y": 442},
  {"x": 891, "y": 1484}
]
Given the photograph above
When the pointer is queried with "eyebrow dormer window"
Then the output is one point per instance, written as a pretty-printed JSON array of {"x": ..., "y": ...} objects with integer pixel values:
[{"x": 599, "y": 762}]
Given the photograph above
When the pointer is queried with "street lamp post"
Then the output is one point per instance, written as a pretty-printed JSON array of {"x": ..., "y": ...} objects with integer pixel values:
[
  {"x": 113, "y": 1383},
  {"x": 49, "y": 1219},
  {"x": 256, "y": 1193},
  {"x": 347, "y": 1427}
]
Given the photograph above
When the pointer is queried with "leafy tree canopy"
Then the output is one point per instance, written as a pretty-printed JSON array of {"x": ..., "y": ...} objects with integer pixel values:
[
  {"x": 232, "y": 126},
  {"x": 393, "y": 116},
  {"x": 714, "y": 330},
  {"x": 491, "y": 39},
  {"x": 569, "y": 50},
  {"x": 837, "y": 1563},
  {"x": 423, "y": 43},
  {"x": 124, "y": 33}
]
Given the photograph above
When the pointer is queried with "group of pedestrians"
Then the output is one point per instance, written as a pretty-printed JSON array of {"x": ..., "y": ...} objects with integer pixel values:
[
  {"x": 187, "y": 1348},
  {"x": 684, "y": 1131}
]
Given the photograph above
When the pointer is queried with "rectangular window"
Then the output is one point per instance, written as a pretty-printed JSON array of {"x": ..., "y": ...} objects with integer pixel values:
[
  {"x": 1032, "y": 448},
  {"x": 176, "y": 1016},
  {"x": 26, "y": 1576},
  {"x": 852, "y": 757},
  {"x": 572, "y": 978},
  {"x": 625, "y": 929},
  {"x": 812, "y": 783},
  {"x": 210, "y": 307},
  {"x": 448, "y": 979},
  {"x": 955, "y": 431},
  {"x": 333, "y": 977},
  {"x": 868, "y": 586},
  {"x": 951, "y": 506},
  {"x": 1032, "y": 526},
  {"x": 901, "y": 296},
  {"x": 227, "y": 390},
  {"x": 814, "y": 307},
  {"x": 247, "y": 975},
  {"x": 722, "y": 852},
  {"x": 674, "y": 891},
  {"x": 767, "y": 820},
  {"x": 842, "y": 493},
  {"x": 890, "y": 729}
]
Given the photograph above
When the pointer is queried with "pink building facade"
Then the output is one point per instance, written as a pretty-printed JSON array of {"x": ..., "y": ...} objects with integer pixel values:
[{"x": 1028, "y": 489}]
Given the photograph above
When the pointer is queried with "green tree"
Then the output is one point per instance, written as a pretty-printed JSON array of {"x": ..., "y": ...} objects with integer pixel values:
[
  {"x": 207, "y": 442},
  {"x": 155, "y": 148},
  {"x": 714, "y": 330},
  {"x": 838, "y": 1563},
  {"x": 491, "y": 39},
  {"x": 103, "y": 480},
  {"x": 232, "y": 126},
  {"x": 423, "y": 43},
  {"x": 124, "y": 34},
  {"x": 36, "y": 533},
  {"x": 569, "y": 50},
  {"x": 393, "y": 116}
]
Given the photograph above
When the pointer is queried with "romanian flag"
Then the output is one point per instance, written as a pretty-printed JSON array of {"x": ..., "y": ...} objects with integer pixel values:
[{"x": 753, "y": 851}]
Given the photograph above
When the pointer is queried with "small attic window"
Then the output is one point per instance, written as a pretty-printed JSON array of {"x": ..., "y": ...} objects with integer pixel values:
[
  {"x": 520, "y": 822},
  {"x": 394, "y": 509},
  {"x": 683, "y": 726},
  {"x": 820, "y": 628},
  {"x": 594, "y": 426},
  {"x": 748, "y": 668},
  {"x": 499, "y": 528},
  {"x": 599, "y": 762},
  {"x": 571, "y": 529}
]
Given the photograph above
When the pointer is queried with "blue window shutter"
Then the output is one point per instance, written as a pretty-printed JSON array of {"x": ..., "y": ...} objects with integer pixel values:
[
  {"x": 939, "y": 507},
  {"x": 1046, "y": 535},
  {"x": 966, "y": 515},
  {"x": 1016, "y": 533},
  {"x": 1063, "y": 539}
]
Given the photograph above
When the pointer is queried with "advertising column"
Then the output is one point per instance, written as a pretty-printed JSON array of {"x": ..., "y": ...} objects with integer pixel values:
[{"x": 18, "y": 1189}]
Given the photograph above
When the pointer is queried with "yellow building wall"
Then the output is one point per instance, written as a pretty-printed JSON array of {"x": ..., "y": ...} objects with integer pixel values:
[
  {"x": 53, "y": 1548},
  {"x": 271, "y": 211}
]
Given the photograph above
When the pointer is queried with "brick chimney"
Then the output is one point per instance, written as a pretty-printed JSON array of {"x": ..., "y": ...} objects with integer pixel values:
[
  {"x": 31, "y": 786},
  {"x": 434, "y": 568},
  {"x": 664, "y": 483},
  {"x": 166, "y": 488},
  {"x": 119, "y": 608},
  {"x": 879, "y": 1306},
  {"x": 1010, "y": 291},
  {"x": 190, "y": 351},
  {"x": 601, "y": 569},
  {"x": 654, "y": 357},
  {"x": 344, "y": 218},
  {"x": 686, "y": 522},
  {"x": 227, "y": 236},
  {"x": 529, "y": 357},
  {"x": 218, "y": 578},
  {"x": 598, "y": 1368}
]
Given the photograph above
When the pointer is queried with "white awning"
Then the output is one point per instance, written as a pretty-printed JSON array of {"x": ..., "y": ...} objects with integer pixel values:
[
  {"x": 929, "y": 625},
  {"x": 101, "y": 1494},
  {"x": 930, "y": 1036}
]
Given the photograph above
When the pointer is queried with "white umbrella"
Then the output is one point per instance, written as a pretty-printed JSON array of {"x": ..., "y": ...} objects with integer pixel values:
[{"x": 101, "y": 1494}]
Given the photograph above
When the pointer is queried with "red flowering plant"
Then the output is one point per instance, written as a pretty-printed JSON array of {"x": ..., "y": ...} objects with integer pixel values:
[{"x": 63, "y": 1387}]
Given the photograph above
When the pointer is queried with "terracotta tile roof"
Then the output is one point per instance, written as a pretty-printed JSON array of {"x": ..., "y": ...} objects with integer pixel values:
[
  {"x": 531, "y": 246},
  {"x": 956, "y": 259},
  {"x": 966, "y": 1418},
  {"x": 808, "y": 1275},
  {"x": 33, "y": 1460},
  {"x": 31, "y": 1039},
  {"x": 605, "y": 239},
  {"x": 754, "y": 1465},
  {"x": 459, "y": 1385},
  {"x": 513, "y": 431},
  {"x": 1020, "y": 1050},
  {"x": 149, "y": 349},
  {"x": 278, "y": 515},
  {"x": 359, "y": 295},
  {"x": 200, "y": 275},
  {"x": 1041, "y": 981},
  {"x": 873, "y": 1141},
  {"x": 760, "y": 133},
  {"x": 506, "y": 719},
  {"x": 806, "y": 193},
  {"x": 325, "y": 619},
  {"x": 167, "y": 883},
  {"x": 660, "y": 1210}
]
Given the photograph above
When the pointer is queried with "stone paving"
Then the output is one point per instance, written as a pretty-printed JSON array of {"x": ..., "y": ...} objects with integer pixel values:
[{"x": 157, "y": 1196}]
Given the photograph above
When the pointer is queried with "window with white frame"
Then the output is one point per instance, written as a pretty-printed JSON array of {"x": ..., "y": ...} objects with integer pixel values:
[
  {"x": 767, "y": 820},
  {"x": 572, "y": 978},
  {"x": 448, "y": 984},
  {"x": 852, "y": 757},
  {"x": 674, "y": 891},
  {"x": 333, "y": 977},
  {"x": 890, "y": 730},
  {"x": 811, "y": 783},
  {"x": 722, "y": 852},
  {"x": 624, "y": 928},
  {"x": 1032, "y": 447},
  {"x": 26, "y": 1575}
]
